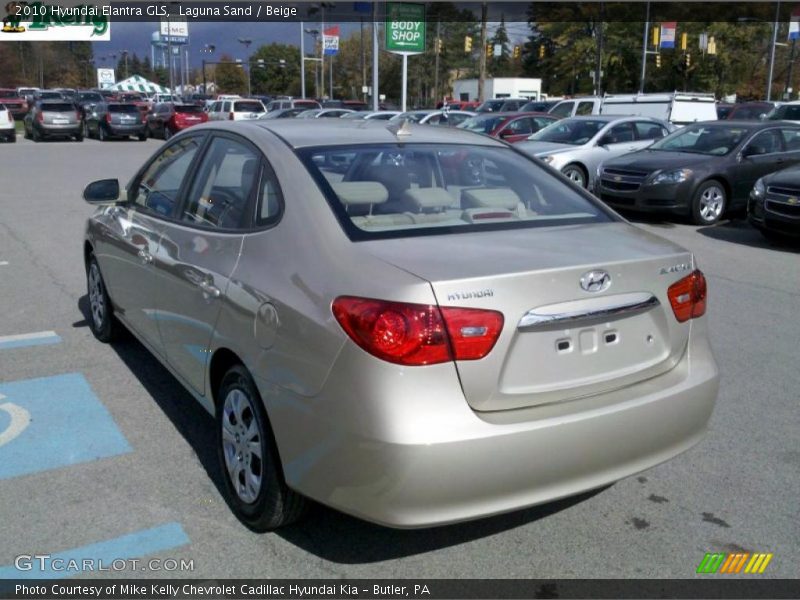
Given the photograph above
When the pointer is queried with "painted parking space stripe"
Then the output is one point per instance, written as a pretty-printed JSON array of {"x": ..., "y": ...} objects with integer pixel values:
[
  {"x": 39, "y": 338},
  {"x": 101, "y": 554},
  {"x": 66, "y": 425},
  {"x": 3, "y": 263}
]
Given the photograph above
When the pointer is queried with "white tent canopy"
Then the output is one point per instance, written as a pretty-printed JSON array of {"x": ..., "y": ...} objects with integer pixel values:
[{"x": 137, "y": 83}]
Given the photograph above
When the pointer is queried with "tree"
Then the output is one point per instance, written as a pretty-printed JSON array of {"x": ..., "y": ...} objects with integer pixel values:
[
  {"x": 230, "y": 76},
  {"x": 275, "y": 69},
  {"x": 500, "y": 65}
]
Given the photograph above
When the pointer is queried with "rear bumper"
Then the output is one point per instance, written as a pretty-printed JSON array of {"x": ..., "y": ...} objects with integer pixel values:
[
  {"x": 126, "y": 129},
  {"x": 59, "y": 130},
  {"x": 407, "y": 453}
]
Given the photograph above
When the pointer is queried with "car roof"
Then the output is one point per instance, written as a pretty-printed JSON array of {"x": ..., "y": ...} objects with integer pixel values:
[{"x": 333, "y": 132}]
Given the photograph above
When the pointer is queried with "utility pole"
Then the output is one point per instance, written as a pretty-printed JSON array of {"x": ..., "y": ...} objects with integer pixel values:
[
  {"x": 644, "y": 49},
  {"x": 302, "y": 61},
  {"x": 436, "y": 46},
  {"x": 363, "y": 61},
  {"x": 787, "y": 91},
  {"x": 772, "y": 49},
  {"x": 482, "y": 61},
  {"x": 598, "y": 69},
  {"x": 375, "y": 104},
  {"x": 322, "y": 50}
]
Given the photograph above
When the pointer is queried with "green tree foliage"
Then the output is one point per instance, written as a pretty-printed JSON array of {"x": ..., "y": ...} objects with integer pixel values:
[
  {"x": 500, "y": 66},
  {"x": 48, "y": 64},
  {"x": 273, "y": 76},
  {"x": 231, "y": 77}
]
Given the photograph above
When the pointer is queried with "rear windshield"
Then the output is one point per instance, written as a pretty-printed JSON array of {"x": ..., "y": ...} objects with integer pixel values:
[
  {"x": 58, "y": 107},
  {"x": 401, "y": 190},
  {"x": 123, "y": 108},
  {"x": 248, "y": 107},
  {"x": 91, "y": 96},
  {"x": 48, "y": 95},
  {"x": 188, "y": 108},
  {"x": 8, "y": 94}
]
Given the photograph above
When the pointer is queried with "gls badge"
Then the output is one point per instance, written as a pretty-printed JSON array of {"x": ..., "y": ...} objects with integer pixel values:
[{"x": 675, "y": 269}]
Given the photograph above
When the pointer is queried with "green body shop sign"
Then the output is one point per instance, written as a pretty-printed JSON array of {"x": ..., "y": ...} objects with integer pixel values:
[{"x": 405, "y": 28}]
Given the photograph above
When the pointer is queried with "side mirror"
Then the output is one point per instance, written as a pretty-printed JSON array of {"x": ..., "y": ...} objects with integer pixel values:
[{"x": 102, "y": 191}]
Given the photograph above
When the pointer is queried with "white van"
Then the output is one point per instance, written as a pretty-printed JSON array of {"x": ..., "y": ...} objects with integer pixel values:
[
  {"x": 577, "y": 107},
  {"x": 678, "y": 108}
]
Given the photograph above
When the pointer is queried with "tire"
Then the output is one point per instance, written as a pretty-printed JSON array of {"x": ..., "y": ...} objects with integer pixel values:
[
  {"x": 709, "y": 203},
  {"x": 143, "y": 137},
  {"x": 86, "y": 133},
  {"x": 79, "y": 137},
  {"x": 167, "y": 133},
  {"x": 101, "y": 133},
  {"x": 256, "y": 488},
  {"x": 37, "y": 137},
  {"x": 27, "y": 133},
  {"x": 576, "y": 174},
  {"x": 102, "y": 322}
]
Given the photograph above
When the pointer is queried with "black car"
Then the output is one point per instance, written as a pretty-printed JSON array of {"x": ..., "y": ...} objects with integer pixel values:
[
  {"x": 774, "y": 206},
  {"x": 86, "y": 99},
  {"x": 115, "y": 119},
  {"x": 702, "y": 170}
]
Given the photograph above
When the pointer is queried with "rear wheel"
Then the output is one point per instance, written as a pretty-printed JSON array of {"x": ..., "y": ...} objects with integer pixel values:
[
  {"x": 102, "y": 323},
  {"x": 86, "y": 130},
  {"x": 168, "y": 133},
  {"x": 576, "y": 174},
  {"x": 79, "y": 137},
  {"x": 37, "y": 136},
  {"x": 101, "y": 133},
  {"x": 709, "y": 203},
  {"x": 143, "y": 136},
  {"x": 249, "y": 457}
]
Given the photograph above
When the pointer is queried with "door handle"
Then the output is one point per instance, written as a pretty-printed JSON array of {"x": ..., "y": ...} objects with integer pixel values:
[
  {"x": 209, "y": 288},
  {"x": 146, "y": 257}
]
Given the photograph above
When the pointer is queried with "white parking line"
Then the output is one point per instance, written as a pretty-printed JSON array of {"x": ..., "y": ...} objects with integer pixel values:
[
  {"x": 3, "y": 263},
  {"x": 29, "y": 339}
]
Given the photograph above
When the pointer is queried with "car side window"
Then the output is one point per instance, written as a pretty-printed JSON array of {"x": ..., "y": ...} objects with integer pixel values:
[
  {"x": 223, "y": 185},
  {"x": 157, "y": 189},
  {"x": 520, "y": 126},
  {"x": 270, "y": 199},
  {"x": 563, "y": 110},
  {"x": 540, "y": 123},
  {"x": 647, "y": 130},
  {"x": 619, "y": 134},
  {"x": 766, "y": 142},
  {"x": 791, "y": 139},
  {"x": 584, "y": 108},
  {"x": 792, "y": 113}
]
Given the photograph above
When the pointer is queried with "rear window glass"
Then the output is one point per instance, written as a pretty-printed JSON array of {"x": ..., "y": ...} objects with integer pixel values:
[
  {"x": 58, "y": 107},
  {"x": 123, "y": 108},
  {"x": 46, "y": 95},
  {"x": 188, "y": 108},
  {"x": 403, "y": 190},
  {"x": 8, "y": 94},
  {"x": 248, "y": 107}
]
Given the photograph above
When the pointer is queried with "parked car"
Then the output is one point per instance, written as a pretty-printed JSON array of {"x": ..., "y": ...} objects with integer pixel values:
[
  {"x": 511, "y": 127},
  {"x": 749, "y": 111},
  {"x": 578, "y": 145},
  {"x": 50, "y": 95},
  {"x": 15, "y": 103},
  {"x": 679, "y": 108},
  {"x": 502, "y": 105},
  {"x": 280, "y": 103},
  {"x": 27, "y": 92},
  {"x": 324, "y": 113},
  {"x": 235, "y": 110},
  {"x": 282, "y": 113},
  {"x": 724, "y": 109},
  {"x": 67, "y": 93},
  {"x": 368, "y": 115},
  {"x": 774, "y": 204},
  {"x": 86, "y": 99},
  {"x": 115, "y": 120},
  {"x": 53, "y": 119},
  {"x": 448, "y": 311},
  {"x": 8, "y": 130},
  {"x": 577, "y": 107},
  {"x": 785, "y": 111},
  {"x": 167, "y": 119},
  {"x": 703, "y": 170},
  {"x": 446, "y": 118},
  {"x": 538, "y": 106}
]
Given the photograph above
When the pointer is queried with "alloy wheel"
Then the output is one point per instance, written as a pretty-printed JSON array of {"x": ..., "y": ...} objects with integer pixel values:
[
  {"x": 242, "y": 445},
  {"x": 97, "y": 300},
  {"x": 712, "y": 201}
]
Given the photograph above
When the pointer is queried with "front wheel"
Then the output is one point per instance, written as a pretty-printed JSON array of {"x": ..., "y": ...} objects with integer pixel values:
[
  {"x": 576, "y": 175},
  {"x": 103, "y": 324},
  {"x": 143, "y": 136},
  {"x": 249, "y": 458},
  {"x": 167, "y": 133},
  {"x": 708, "y": 204},
  {"x": 101, "y": 133}
]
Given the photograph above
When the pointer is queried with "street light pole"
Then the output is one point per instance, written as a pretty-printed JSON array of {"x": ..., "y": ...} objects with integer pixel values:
[
  {"x": 772, "y": 49},
  {"x": 302, "y": 61},
  {"x": 644, "y": 49},
  {"x": 246, "y": 43}
]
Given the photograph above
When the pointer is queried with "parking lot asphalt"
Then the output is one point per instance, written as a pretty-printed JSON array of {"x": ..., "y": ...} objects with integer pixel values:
[{"x": 104, "y": 452}]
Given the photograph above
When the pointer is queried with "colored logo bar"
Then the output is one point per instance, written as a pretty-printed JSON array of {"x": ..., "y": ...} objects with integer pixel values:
[{"x": 734, "y": 563}]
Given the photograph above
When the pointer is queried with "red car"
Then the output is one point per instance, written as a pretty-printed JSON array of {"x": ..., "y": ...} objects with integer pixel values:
[
  {"x": 511, "y": 127},
  {"x": 167, "y": 118},
  {"x": 16, "y": 105}
]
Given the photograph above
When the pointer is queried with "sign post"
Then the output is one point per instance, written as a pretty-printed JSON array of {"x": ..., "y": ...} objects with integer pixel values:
[{"x": 405, "y": 35}]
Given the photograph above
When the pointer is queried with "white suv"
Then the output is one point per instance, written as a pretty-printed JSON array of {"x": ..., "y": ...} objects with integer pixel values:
[
  {"x": 236, "y": 110},
  {"x": 7, "y": 127}
]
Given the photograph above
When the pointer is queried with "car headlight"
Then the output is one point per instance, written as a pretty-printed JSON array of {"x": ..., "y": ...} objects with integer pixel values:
[
  {"x": 677, "y": 176},
  {"x": 759, "y": 189}
]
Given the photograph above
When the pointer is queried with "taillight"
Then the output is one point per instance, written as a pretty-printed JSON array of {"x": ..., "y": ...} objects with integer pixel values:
[
  {"x": 108, "y": 117},
  {"x": 688, "y": 296},
  {"x": 77, "y": 116},
  {"x": 40, "y": 117},
  {"x": 417, "y": 334}
]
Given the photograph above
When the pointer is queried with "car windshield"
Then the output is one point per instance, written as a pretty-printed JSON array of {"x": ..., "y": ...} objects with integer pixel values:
[
  {"x": 58, "y": 107},
  {"x": 716, "y": 140},
  {"x": 49, "y": 95},
  {"x": 574, "y": 132},
  {"x": 123, "y": 108},
  {"x": 248, "y": 107},
  {"x": 481, "y": 124},
  {"x": 90, "y": 97},
  {"x": 8, "y": 94},
  {"x": 400, "y": 190},
  {"x": 188, "y": 108}
]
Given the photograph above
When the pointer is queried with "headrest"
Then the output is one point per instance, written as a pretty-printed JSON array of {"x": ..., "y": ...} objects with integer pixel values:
[
  {"x": 248, "y": 174},
  {"x": 432, "y": 197},
  {"x": 490, "y": 198},
  {"x": 360, "y": 193}
]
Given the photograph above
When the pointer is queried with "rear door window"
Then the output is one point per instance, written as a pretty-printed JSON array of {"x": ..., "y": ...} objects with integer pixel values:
[
  {"x": 248, "y": 107},
  {"x": 647, "y": 130},
  {"x": 563, "y": 110},
  {"x": 585, "y": 108}
]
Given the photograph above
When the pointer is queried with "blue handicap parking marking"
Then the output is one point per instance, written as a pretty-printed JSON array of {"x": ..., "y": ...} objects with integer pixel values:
[
  {"x": 101, "y": 555},
  {"x": 53, "y": 422}
]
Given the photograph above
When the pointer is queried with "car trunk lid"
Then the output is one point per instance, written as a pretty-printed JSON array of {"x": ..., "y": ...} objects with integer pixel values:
[{"x": 559, "y": 341}]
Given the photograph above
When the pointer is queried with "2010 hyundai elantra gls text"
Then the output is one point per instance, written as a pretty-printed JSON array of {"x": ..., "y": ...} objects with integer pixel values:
[{"x": 412, "y": 325}]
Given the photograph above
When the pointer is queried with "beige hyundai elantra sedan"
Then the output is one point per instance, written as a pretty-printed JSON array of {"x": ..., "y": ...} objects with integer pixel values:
[{"x": 412, "y": 325}]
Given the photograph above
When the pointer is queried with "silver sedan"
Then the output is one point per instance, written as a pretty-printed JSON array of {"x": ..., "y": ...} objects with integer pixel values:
[
  {"x": 413, "y": 325},
  {"x": 577, "y": 146}
]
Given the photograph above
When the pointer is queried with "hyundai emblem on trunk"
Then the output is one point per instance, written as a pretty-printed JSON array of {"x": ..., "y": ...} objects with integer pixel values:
[{"x": 596, "y": 281}]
